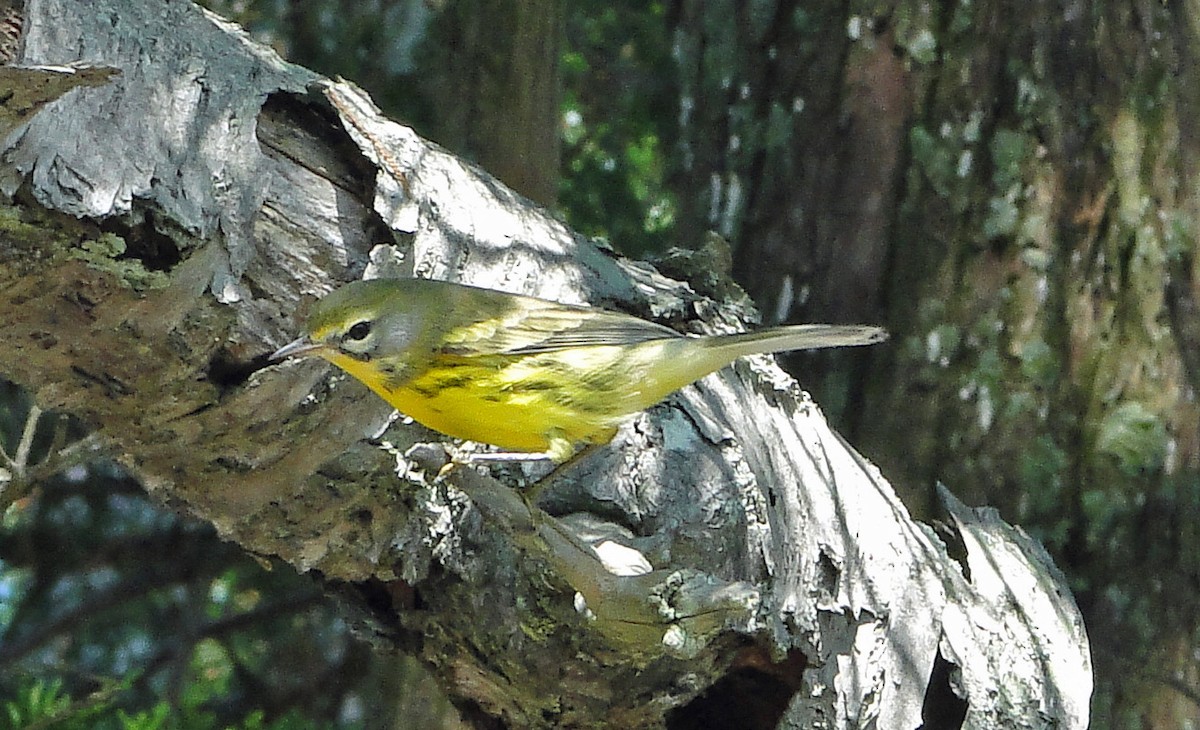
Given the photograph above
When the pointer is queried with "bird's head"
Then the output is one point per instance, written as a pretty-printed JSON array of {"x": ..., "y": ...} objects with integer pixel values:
[{"x": 362, "y": 321}]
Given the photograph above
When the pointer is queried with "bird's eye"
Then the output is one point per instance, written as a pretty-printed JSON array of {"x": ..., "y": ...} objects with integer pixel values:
[{"x": 359, "y": 331}]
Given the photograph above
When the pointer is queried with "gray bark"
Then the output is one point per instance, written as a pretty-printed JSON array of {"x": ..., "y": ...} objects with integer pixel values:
[{"x": 239, "y": 187}]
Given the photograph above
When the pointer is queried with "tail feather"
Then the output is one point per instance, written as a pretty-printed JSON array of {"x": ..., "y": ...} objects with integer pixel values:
[
  {"x": 666, "y": 365},
  {"x": 797, "y": 337}
]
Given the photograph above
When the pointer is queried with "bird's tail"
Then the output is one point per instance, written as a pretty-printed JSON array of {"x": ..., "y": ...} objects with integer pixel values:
[
  {"x": 671, "y": 363},
  {"x": 796, "y": 337}
]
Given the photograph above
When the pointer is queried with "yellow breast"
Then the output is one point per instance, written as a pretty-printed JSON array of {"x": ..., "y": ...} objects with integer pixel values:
[
  {"x": 518, "y": 403},
  {"x": 537, "y": 402}
]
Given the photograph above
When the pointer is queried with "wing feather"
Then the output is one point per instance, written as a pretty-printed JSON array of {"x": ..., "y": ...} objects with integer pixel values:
[{"x": 529, "y": 326}]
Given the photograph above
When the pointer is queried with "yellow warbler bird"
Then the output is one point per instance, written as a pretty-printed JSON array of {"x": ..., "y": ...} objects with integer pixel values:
[{"x": 524, "y": 374}]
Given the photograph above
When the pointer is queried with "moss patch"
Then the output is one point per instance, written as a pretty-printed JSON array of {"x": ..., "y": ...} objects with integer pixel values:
[{"x": 105, "y": 254}]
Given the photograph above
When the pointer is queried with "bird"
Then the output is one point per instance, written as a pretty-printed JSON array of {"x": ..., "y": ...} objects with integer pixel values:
[{"x": 535, "y": 378}]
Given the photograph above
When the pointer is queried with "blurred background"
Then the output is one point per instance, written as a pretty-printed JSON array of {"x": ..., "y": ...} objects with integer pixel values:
[{"x": 1011, "y": 187}]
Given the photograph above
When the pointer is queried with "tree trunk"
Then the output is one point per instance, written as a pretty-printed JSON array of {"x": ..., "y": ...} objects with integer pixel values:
[
  {"x": 727, "y": 550},
  {"x": 790, "y": 144},
  {"x": 498, "y": 82}
]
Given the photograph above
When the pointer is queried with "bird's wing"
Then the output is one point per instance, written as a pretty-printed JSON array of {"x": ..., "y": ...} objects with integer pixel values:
[{"x": 529, "y": 326}]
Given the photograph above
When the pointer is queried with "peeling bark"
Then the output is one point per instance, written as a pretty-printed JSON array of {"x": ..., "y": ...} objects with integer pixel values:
[{"x": 776, "y": 552}]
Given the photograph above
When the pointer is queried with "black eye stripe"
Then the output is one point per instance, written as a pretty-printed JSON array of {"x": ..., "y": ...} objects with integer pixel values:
[{"x": 359, "y": 331}]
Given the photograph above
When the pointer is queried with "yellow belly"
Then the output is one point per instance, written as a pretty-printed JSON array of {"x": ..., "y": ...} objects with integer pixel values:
[
  {"x": 538, "y": 402},
  {"x": 514, "y": 403},
  {"x": 468, "y": 413}
]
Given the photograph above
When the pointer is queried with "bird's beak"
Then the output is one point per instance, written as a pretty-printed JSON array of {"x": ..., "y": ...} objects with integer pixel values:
[{"x": 298, "y": 348}]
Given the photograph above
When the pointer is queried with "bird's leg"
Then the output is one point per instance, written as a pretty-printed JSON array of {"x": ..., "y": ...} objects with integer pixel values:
[
  {"x": 561, "y": 452},
  {"x": 533, "y": 491},
  {"x": 566, "y": 458},
  {"x": 554, "y": 454},
  {"x": 458, "y": 458},
  {"x": 505, "y": 457}
]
